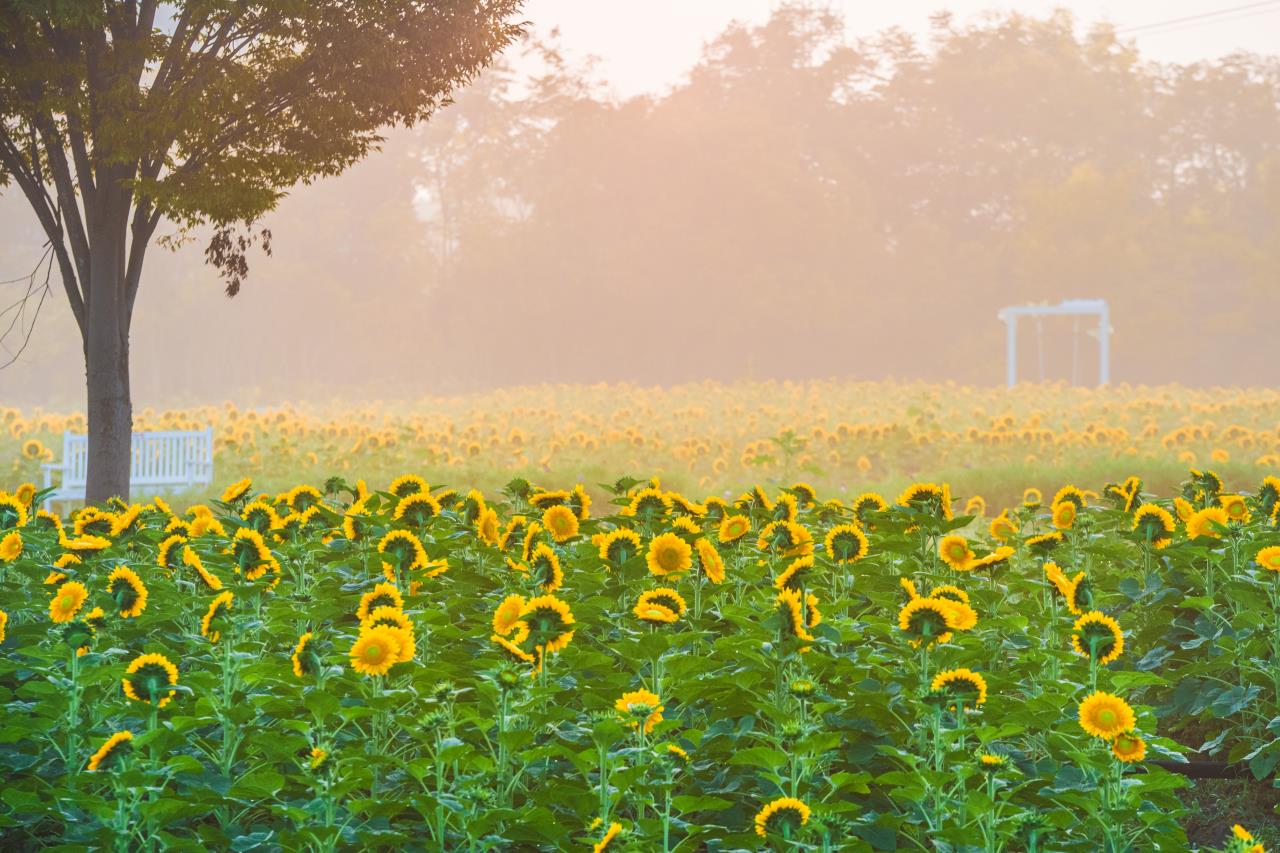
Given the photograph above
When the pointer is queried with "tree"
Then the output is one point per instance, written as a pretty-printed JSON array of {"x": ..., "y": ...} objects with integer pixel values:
[{"x": 118, "y": 114}]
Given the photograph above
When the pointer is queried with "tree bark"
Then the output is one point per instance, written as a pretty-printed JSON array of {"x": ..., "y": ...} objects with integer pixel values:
[{"x": 106, "y": 355}]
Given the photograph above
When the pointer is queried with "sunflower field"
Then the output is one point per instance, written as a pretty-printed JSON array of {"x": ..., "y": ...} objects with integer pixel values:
[
  {"x": 419, "y": 667},
  {"x": 719, "y": 437}
]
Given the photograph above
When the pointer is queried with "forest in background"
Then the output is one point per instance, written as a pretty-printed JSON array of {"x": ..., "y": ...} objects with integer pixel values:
[{"x": 806, "y": 204}]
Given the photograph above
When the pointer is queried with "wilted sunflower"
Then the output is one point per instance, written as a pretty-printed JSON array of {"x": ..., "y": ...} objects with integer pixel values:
[
  {"x": 1154, "y": 524},
  {"x": 961, "y": 686},
  {"x": 147, "y": 679},
  {"x": 11, "y": 547},
  {"x": 560, "y": 522},
  {"x": 846, "y": 543},
  {"x": 709, "y": 559},
  {"x": 219, "y": 608},
  {"x": 67, "y": 601},
  {"x": 733, "y": 528},
  {"x": 662, "y": 605},
  {"x": 382, "y": 595},
  {"x": 1105, "y": 715},
  {"x": 785, "y": 814},
  {"x": 1129, "y": 748},
  {"x": 114, "y": 747},
  {"x": 639, "y": 706},
  {"x": 376, "y": 650},
  {"x": 128, "y": 590},
  {"x": 669, "y": 554},
  {"x": 1098, "y": 636},
  {"x": 955, "y": 552}
]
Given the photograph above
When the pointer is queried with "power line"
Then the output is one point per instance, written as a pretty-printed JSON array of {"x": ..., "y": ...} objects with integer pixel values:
[{"x": 1205, "y": 17}]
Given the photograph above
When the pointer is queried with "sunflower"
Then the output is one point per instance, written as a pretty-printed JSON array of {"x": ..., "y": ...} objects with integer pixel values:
[
  {"x": 514, "y": 528},
  {"x": 382, "y": 595},
  {"x": 1206, "y": 523},
  {"x": 618, "y": 546},
  {"x": 376, "y": 650},
  {"x": 640, "y": 706},
  {"x": 1003, "y": 528},
  {"x": 846, "y": 543},
  {"x": 1031, "y": 497},
  {"x": 219, "y": 608},
  {"x": 948, "y": 591},
  {"x": 1045, "y": 542},
  {"x": 128, "y": 590},
  {"x": 1105, "y": 715},
  {"x": 549, "y": 620},
  {"x": 1269, "y": 558},
  {"x": 976, "y": 506},
  {"x": 784, "y": 812},
  {"x": 544, "y": 565},
  {"x": 406, "y": 549},
  {"x": 147, "y": 677},
  {"x": 1069, "y": 493},
  {"x": 805, "y": 493},
  {"x": 125, "y": 520},
  {"x": 662, "y": 605},
  {"x": 1064, "y": 514},
  {"x": 237, "y": 490},
  {"x": 32, "y": 448},
  {"x": 192, "y": 559},
  {"x": 789, "y": 605},
  {"x": 927, "y": 619},
  {"x": 1268, "y": 495},
  {"x": 685, "y": 524},
  {"x": 416, "y": 509},
  {"x": 1184, "y": 509},
  {"x": 611, "y": 833},
  {"x": 963, "y": 686},
  {"x": 13, "y": 512},
  {"x": 785, "y": 538},
  {"x": 25, "y": 493},
  {"x": 316, "y": 758},
  {"x": 955, "y": 552},
  {"x": 304, "y": 659},
  {"x": 648, "y": 505},
  {"x": 994, "y": 560},
  {"x": 786, "y": 508},
  {"x": 513, "y": 649},
  {"x": 395, "y": 619},
  {"x": 991, "y": 762},
  {"x": 114, "y": 747},
  {"x": 668, "y": 554},
  {"x": 560, "y": 522},
  {"x": 543, "y": 498},
  {"x": 11, "y": 547},
  {"x": 795, "y": 574},
  {"x": 67, "y": 601},
  {"x": 681, "y": 504},
  {"x": 580, "y": 502},
  {"x": 709, "y": 559},
  {"x": 408, "y": 484},
  {"x": 299, "y": 498},
  {"x": 1154, "y": 524},
  {"x": 1098, "y": 636},
  {"x": 487, "y": 527},
  {"x": 733, "y": 528},
  {"x": 530, "y": 538},
  {"x": 1129, "y": 748},
  {"x": 261, "y": 516},
  {"x": 929, "y": 498},
  {"x": 4, "y": 623},
  {"x": 865, "y": 506},
  {"x": 507, "y": 616},
  {"x": 1235, "y": 508}
]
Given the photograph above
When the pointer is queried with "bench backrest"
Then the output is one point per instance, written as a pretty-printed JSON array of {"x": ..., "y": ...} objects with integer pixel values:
[{"x": 159, "y": 458}]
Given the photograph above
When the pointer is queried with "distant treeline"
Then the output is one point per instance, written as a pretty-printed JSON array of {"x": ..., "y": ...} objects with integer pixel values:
[{"x": 806, "y": 203}]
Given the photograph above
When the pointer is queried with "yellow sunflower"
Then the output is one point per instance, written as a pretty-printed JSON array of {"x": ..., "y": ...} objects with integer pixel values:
[
  {"x": 640, "y": 706},
  {"x": 662, "y": 605},
  {"x": 1205, "y": 523},
  {"x": 376, "y": 650},
  {"x": 67, "y": 601},
  {"x": 560, "y": 522},
  {"x": 1064, "y": 514},
  {"x": 130, "y": 593},
  {"x": 610, "y": 834},
  {"x": 782, "y": 812},
  {"x": 236, "y": 490},
  {"x": 303, "y": 658},
  {"x": 382, "y": 594},
  {"x": 1129, "y": 747},
  {"x": 114, "y": 747},
  {"x": 507, "y": 616},
  {"x": 549, "y": 620},
  {"x": 219, "y": 608},
  {"x": 710, "y": 560},
  {"x": 1154, "y": 524},
  {"x": 1105, "y": 715},
  {"x": 846, "y": 543},
  {"x": 147, "y": 677},
  {"x": 961, "y": 685},
  {"x": 11, "y": 547},
  {"x": 1269, "y": 558},
  {"x": 1099, "y": 636},
  {"x": 955, "y": 552},
  {"x": 733, "y": 528},
  {"x": 669, "y": 554}
]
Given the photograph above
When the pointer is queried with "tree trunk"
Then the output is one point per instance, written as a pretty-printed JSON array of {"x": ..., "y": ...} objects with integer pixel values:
[{"x": 106, "y": 355}]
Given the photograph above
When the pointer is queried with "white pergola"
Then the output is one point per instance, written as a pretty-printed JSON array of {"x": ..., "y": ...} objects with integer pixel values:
[{"x": 1070, "y": 308}]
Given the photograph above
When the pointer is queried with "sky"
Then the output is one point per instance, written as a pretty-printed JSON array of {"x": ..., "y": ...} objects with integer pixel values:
[{"x": 648, "y": 45}]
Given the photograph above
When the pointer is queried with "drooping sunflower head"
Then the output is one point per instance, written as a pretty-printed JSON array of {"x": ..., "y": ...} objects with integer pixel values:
[
  {"x": 648, "y": 505},
  {"x": 806, "y": 494},
  {"x": 1098, "y": 637},
  {"x": 927, "y": 619},
  {"x": 640, "y": 707},
  {"x": 305, "y": 660},
  {"x": 1268, "y": 495},
  {"x": 301, "y": 498},
  {"x": 783, "y": 816},
  {"x": 960, "y": 687},
  {"x": 1105, "y": 715},
  {"x": 1045, "y": 542},
  {"x": 402, "y": 552},
  {"x": 928, "y": 498},
  {"x": 148, "y": 679},
  {"x": 113, "y": 750},
  {"x": 669, "y": 554},
  {"x": 544, "y": 499},
  {"x": 791, "y": 606},
  {"x": 128, "y": 590}
]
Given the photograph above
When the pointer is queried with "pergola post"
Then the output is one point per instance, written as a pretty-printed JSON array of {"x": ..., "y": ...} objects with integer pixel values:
[{"x": 1011, "y": 348}]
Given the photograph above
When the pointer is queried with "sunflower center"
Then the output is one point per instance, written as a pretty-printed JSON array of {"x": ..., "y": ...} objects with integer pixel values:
[
  {"x": 67, "y": 602},
  {"x": 373, "y": 652},
  {"x": 1107, "y": 717}
]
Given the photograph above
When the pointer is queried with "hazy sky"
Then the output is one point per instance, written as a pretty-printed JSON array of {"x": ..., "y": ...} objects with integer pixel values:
[{"x": 646, "y": 45}]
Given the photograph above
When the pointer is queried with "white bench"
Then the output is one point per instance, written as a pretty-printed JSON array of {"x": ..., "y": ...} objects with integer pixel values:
[{"x": 161, "y": 461}]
